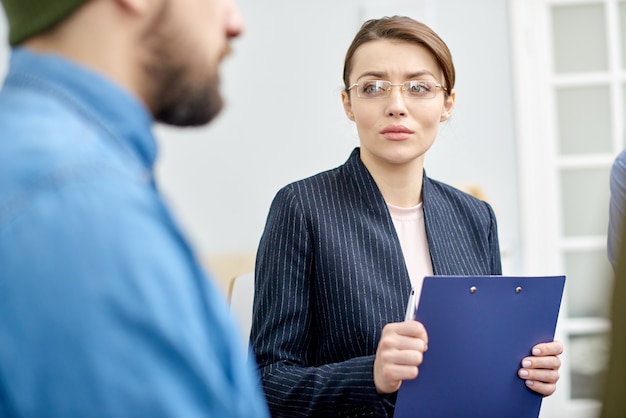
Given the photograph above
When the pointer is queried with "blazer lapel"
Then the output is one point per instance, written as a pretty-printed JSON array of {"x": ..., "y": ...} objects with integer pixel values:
[
  {"x": 437, "y": 222},
  {"x": 375, "y": 204}
]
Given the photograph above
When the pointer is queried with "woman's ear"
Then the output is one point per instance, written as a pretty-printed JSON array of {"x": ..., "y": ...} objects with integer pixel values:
[
  {"x": 448, "y": 106},
  {"x": 347, "y": 104}
]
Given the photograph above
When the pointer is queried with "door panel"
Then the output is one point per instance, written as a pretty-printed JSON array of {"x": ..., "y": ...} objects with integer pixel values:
[{"x": 570, "y": 63}]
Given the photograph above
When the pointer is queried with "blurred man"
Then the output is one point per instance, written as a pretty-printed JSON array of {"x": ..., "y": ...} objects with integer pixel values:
[
  {"x": 617, "y": 206},
  {"x": 104, "y": 310},
  {"x": 614, "y": 401}
]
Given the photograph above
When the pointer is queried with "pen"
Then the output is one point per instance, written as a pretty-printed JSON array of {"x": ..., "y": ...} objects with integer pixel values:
[{"x": 410, "y": 307}]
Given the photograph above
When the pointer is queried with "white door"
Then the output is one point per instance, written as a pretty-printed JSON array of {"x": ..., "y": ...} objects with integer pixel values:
[{"x": 570, "y": 84}]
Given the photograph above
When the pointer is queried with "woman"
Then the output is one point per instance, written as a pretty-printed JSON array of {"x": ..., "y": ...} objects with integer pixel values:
[{"x": 342, "y": 249}]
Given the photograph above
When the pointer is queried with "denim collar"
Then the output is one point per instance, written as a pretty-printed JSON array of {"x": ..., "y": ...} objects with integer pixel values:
[{"x": 115, "y": 110}]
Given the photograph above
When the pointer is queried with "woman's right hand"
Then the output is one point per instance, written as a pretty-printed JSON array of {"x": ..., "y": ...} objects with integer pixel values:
[{"x": 399, "y": 354}]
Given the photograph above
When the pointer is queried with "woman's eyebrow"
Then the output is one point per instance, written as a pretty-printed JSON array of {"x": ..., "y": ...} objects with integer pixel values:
[
  {"x": 374, "y": 74},
  {"x": 408, "y": 76},
  {"x": 420, "y": 73}
]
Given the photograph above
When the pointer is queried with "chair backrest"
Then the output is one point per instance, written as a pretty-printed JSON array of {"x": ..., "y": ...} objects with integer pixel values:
[
  {"x": 224, "y": 266},
  {"x": 241, "y": 297}
]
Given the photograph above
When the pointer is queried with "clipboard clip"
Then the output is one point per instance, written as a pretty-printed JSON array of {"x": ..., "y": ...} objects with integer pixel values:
[{"x": 473, "y": 289}]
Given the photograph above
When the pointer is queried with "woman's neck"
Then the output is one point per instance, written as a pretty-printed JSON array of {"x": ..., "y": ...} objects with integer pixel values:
[{"x": 400, "y": 184}]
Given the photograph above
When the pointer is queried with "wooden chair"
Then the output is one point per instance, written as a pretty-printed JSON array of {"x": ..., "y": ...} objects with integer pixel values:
[{"x": 240, "y": 298}]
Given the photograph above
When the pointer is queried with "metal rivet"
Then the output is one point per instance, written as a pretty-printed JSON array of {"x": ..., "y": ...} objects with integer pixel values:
[
  {"x": 518, "y": 289},
  {"x": 473, "y": 289}
]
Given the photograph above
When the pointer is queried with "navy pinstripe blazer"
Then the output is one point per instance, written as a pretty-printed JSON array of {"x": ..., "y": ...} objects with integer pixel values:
[{"x": 330, "y": 274}]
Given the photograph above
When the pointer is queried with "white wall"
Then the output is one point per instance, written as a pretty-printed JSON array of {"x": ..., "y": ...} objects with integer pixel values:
[{"x": 221, "y": 179}]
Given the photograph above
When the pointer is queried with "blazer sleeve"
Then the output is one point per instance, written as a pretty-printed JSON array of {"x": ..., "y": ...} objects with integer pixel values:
[
  {"x": 493, "y": 242},
  {"x": 462, "y": 232},
  {"x": 283, "y": 328}
]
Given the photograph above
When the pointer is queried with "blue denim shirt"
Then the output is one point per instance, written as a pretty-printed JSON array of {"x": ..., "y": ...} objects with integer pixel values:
[{"x": 104, "y": 310}]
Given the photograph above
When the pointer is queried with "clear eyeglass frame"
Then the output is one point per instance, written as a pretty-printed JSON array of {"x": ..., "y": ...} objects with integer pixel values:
[{"x": 381, "y": 89}]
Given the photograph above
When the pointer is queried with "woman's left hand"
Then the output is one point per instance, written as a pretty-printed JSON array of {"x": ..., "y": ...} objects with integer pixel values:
[{"x": 541, "y": 370}]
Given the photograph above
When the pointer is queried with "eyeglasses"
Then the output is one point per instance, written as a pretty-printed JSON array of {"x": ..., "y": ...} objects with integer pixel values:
[{"x": 381, "y": 89}]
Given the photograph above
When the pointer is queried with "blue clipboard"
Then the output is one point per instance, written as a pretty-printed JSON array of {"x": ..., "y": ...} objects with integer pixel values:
[{"x": 479, "y": 329}]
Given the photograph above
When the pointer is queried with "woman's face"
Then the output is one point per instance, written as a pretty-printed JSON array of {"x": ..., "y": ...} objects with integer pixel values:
[{"x": 397, "y": 129}]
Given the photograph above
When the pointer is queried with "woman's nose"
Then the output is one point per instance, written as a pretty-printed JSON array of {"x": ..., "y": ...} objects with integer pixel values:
[{"x": 395, "y": 102}]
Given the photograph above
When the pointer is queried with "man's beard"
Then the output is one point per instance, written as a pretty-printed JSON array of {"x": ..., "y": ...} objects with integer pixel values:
[
  {"x": 180, "y": 102},
  {"x": 179, "y": 95}
]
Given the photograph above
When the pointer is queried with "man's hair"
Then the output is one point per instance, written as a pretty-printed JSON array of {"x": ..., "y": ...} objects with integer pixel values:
[{"x": 31, "y": 17}]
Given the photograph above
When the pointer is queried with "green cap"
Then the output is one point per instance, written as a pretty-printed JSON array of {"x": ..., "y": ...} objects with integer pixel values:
[{"x": 31, "y": 17}]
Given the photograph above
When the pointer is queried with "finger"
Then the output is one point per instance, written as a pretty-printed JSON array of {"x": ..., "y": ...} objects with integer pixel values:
[
  {"x": 388, "y": 379},
  {"x": 413, "y": 344},
  {"x": 542, "y": 388},
  {"x": 400, "y": 342},
  {"x": 539, "y": 375},
  {"x": 409, "y": 335},
  {"x": 553, "y": 348},
  {"x": 401, "y": 357},
  {"x": 548, "y": 362},
  {"x": 409, "y": 329},
  {"x": 397, "y": 372}
]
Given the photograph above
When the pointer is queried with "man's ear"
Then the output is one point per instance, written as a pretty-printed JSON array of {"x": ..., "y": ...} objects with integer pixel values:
[
  {"x": 347, "y": 104},
  {"x": 448, "y": 106},
  {"x": 135, "y": 6}
]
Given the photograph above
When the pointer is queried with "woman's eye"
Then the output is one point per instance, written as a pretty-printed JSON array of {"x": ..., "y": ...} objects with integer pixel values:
[
  {"x": 371, "y": 88},
  {"x": 420, "y": 87}
]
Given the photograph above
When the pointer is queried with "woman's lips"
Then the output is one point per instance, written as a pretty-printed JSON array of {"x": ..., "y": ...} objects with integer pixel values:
[{"x": 396, "y": 132}]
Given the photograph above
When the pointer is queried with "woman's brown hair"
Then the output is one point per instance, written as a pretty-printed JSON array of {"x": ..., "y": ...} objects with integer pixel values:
[{"x": 402, "y": 28}]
